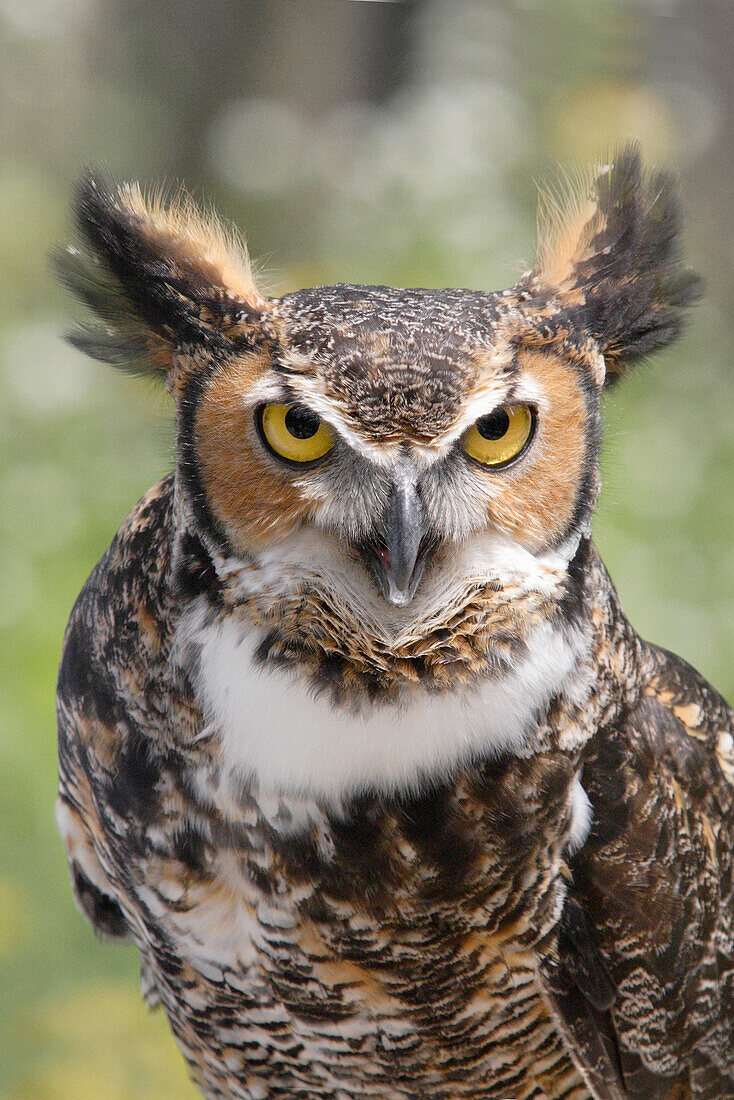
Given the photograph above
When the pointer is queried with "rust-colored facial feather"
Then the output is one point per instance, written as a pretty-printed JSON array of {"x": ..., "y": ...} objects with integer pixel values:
[
  {"x": 539, "y": 495},
  {"x": 258, "y": 501},
  {"x": 246, "y": 496}
]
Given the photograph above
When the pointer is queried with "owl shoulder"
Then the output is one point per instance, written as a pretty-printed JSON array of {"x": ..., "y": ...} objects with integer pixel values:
[{"x": 655, "y": 884}]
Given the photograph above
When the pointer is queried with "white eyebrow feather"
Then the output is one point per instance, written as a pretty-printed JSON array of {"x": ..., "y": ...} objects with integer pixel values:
[{"x": 309, "y": 387}]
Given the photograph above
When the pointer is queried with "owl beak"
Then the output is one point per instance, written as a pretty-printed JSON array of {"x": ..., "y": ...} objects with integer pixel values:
[{"x": 398, "y": 553}]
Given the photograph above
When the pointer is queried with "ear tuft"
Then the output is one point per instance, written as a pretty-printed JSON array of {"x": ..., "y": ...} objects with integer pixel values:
[
  {"x": 167, "y": 281},
  {"x": 610, "y": 254}
]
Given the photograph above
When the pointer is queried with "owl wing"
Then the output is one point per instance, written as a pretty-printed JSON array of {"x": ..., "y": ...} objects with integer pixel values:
[
  {"x": 118, "y": 709},
  {"x": 643, "y": 982}
]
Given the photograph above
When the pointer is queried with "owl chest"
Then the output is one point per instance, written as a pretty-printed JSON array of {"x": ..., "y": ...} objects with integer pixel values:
[
  {"x": 386, "y": 945},
  {"x": 368, "y": 961}
]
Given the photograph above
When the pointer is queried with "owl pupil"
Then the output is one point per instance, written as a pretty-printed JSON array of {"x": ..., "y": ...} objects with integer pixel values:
[
  {"x": 301, "y": 423},
  {"x": 495, "y": 425}
]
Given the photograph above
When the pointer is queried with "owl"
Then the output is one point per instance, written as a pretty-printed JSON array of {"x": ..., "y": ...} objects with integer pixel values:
[{"x": 356, "y": 744}]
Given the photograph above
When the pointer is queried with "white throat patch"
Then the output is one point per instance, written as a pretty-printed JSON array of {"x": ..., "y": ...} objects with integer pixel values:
[{"x": 272, "y": 727}]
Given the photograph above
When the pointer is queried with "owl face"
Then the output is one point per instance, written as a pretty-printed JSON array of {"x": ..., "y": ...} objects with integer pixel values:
[
  {"x": 396, "y": 433},
  {"x": 394, "y": 450}
]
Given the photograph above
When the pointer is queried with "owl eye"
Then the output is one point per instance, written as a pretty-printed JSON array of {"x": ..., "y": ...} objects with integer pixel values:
[
  {"x": 294, "y": 433},
  {"x": 499, "y": 438}
]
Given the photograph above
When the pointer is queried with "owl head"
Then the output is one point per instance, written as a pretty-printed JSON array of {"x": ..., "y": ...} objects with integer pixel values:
[{"x": 398, "y": 456}]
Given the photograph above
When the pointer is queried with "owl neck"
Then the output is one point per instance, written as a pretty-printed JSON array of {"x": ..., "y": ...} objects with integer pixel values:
[{"x": 308, "y": 701}]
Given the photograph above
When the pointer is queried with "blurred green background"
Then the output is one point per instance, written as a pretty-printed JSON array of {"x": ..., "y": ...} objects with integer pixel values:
[{"x": 365, "y": 142}]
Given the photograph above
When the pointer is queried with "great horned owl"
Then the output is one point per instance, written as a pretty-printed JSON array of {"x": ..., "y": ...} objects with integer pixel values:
[{"x": 356, "y": 743}]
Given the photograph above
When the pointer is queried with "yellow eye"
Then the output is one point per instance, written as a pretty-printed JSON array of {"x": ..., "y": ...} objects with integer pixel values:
[
  {"x": 496, "y": 439},
  {"x": 294, "y": 433}
]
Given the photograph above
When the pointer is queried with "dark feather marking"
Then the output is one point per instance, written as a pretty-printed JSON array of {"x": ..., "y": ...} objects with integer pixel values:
[
  {"x": 431, "y": 824},
  {"x": 131, "y": 789},
  {"x": 572, "y": 607},
  {"x": 190, "y": 848},
  {"x": 188, "y": 463},
  {"x": 194, "y": 572},
  {"x": 82, "y": 680},
  {"x": 581, "y": 958},
  {"x": 103, "y": 912}
]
